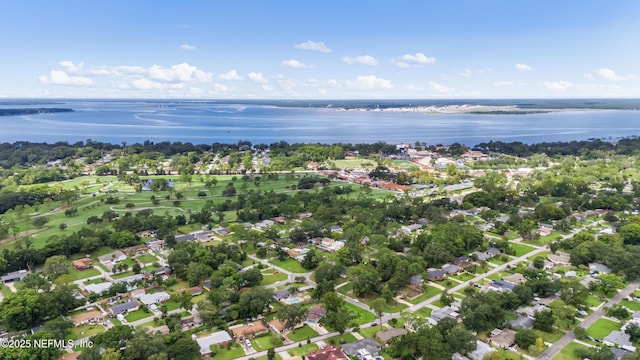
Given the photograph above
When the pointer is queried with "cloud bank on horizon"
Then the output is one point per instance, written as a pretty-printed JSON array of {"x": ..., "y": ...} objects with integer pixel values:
[{"x": 329, "y": 49}]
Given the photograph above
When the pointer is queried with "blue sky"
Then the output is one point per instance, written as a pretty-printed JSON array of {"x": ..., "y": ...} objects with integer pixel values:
[{"x": 320, "y": 49}]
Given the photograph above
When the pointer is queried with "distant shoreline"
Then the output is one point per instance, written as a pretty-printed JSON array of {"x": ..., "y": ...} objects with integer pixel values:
[{"x": 32, "y": 111}]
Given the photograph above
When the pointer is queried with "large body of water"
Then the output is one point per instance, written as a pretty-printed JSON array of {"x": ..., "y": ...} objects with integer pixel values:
[{"x": 202, "y": 122}]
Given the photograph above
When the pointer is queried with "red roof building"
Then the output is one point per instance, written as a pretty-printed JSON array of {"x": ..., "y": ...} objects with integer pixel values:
[{"x": 328, "y": 353}]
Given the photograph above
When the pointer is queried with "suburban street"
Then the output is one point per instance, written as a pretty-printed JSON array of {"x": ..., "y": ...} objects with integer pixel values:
[{"x": 597, "y": 314}]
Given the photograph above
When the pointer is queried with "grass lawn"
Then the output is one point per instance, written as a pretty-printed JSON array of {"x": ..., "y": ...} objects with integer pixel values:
[
  {"x": 347, "y": 338},
  {"x": 303, "y": 350},
  {"x": 593, "y": 301},
  {"x": 234, "y": 352},
  {"x": 602, "y": 328},
  {"x": 344, "y": 289},
  {"x": 424, "y": 312},
  {"x": 568, "y": 352},
  {"x": 266, "y": 342},
  {"x": 137, "y": 315},
  {"x": 497, "y": 260},
  {"x": 270, "y": 279},
  {"x": 363, "y": 316},
  {"x": 429, "y": 291},
  {"x": 121, "y": 275},
  {"x": 302, "y": 334},
  {"x": 463, "y": 276},
  {"x": 369, "y": 331},
  {"x": 172, "y": 305},
  {"x": 77, "y": 275},
  {"x": 550, "y": 337},
  {"x": 278, "y": 357},
  {"x": 116, "y": 322},
  {"x": 521, "y": 249},
  {"x": 291, "y": 265},
  {"x": 632, "y": 305},
  {"x": 147, "y": 258},
  {"x": 84, "y": 331}
]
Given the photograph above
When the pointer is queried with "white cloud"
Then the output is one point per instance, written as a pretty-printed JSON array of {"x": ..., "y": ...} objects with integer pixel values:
[
  {"x": 409, "y": 60},
  {"x": 70, "y": 67},
  {"x": 558, "y": 85},
  {"x": 523, "y": 67},
  {"x": 313, "y": 45},
  {"x": 293, "y": 64},
  {"x": 181, "y": 72},
  {"x": 369, "y": 82},
  {"x": 230, "y": 75},
  {"x": 609, "y": 74},
  {"x": 187, "y": 47},
  {"x": 363, "y": 59},
  {"x": 440, "y": 88},
  {"x": 220, "y": 88},
  {"x": 503, "y": 83},
  {"x": 414, "y": 88},
  {"x": 257, "y": 78},
  {"x": 469, "y": 73},
  {"x": 59, "y": 77}
]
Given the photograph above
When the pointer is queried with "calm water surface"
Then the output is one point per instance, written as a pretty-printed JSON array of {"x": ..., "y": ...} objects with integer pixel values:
[{"x": 136, "y": 121}]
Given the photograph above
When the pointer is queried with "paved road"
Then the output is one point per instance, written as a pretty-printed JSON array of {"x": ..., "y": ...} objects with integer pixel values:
[{"x": 570, "y": 336}]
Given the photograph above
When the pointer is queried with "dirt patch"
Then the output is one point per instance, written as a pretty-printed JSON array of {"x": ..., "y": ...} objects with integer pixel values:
[{"x": 20, "y": 235}]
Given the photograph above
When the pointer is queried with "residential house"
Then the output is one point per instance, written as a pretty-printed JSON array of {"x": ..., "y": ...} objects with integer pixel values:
[
  {"x": 98, "y": 288},
  {"x": 336, "y": 228},
  {"x": 385, "y": 336},
  {"x": 264, "y": 224},
  {"x": 279, "y": 327},
  {"x": 447, "y": 311},
  {"x": 363, "y": 349},
  {"x": 281, "y": 294},
  {"x": 207, "y": 285},
  {"x": 571, "y": 274},
  {"x": 331, "y": 245},
  {"x": 14, "y": 276},
  {"x": 461, "y": 261},
  {"x": 190, "y": 322},
  {"x": 415, "y": 283},
  {"x": 502, "y": 338},
  {"x": 137, "y": 293},
  {"x": 129, "y": 279},
  {"x": 482, "y": 349},
  {"x": 410, "y": 229},
  {"x": 162, "y": 329},
  {"x": 220, "y": 338},
  {"x": 436, "y": 274},
  {"x": 164, "y": 270},
  {"x": 82, "y": 264},
  {"x": 155, "y": 298},
  {"x": 315, "y": 313},
  {"x": 124, "y": 307},
  {"x": 480, "y": 256},
  {"x": 328, "y": 353},
  {"x": 186, "y": 237},
  {"x": 451, "y": 269},
  {"x": 599, "y": 268},
  {"x": 156, "y": 245},
  {"x": 493, "y": 251},
  {"x": 501, "y": 286},
  {"x": 559, "y": 258},
  {"x": 515, "y": 279},
  {"x": 135, "y": 250},
  {"x": 112, "y": 258},
  {"x": 619, "y": 339},
  {"x": 196, "y": 290},
  {"x": 91, "y": 317},
  {"x": 305, "y": 215},
  {"x": 544, "y": 231},
  {"x": 241, "y": 332},
  {"x": 522, "y": 322},
  {"x": 280, "y": 220}
]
